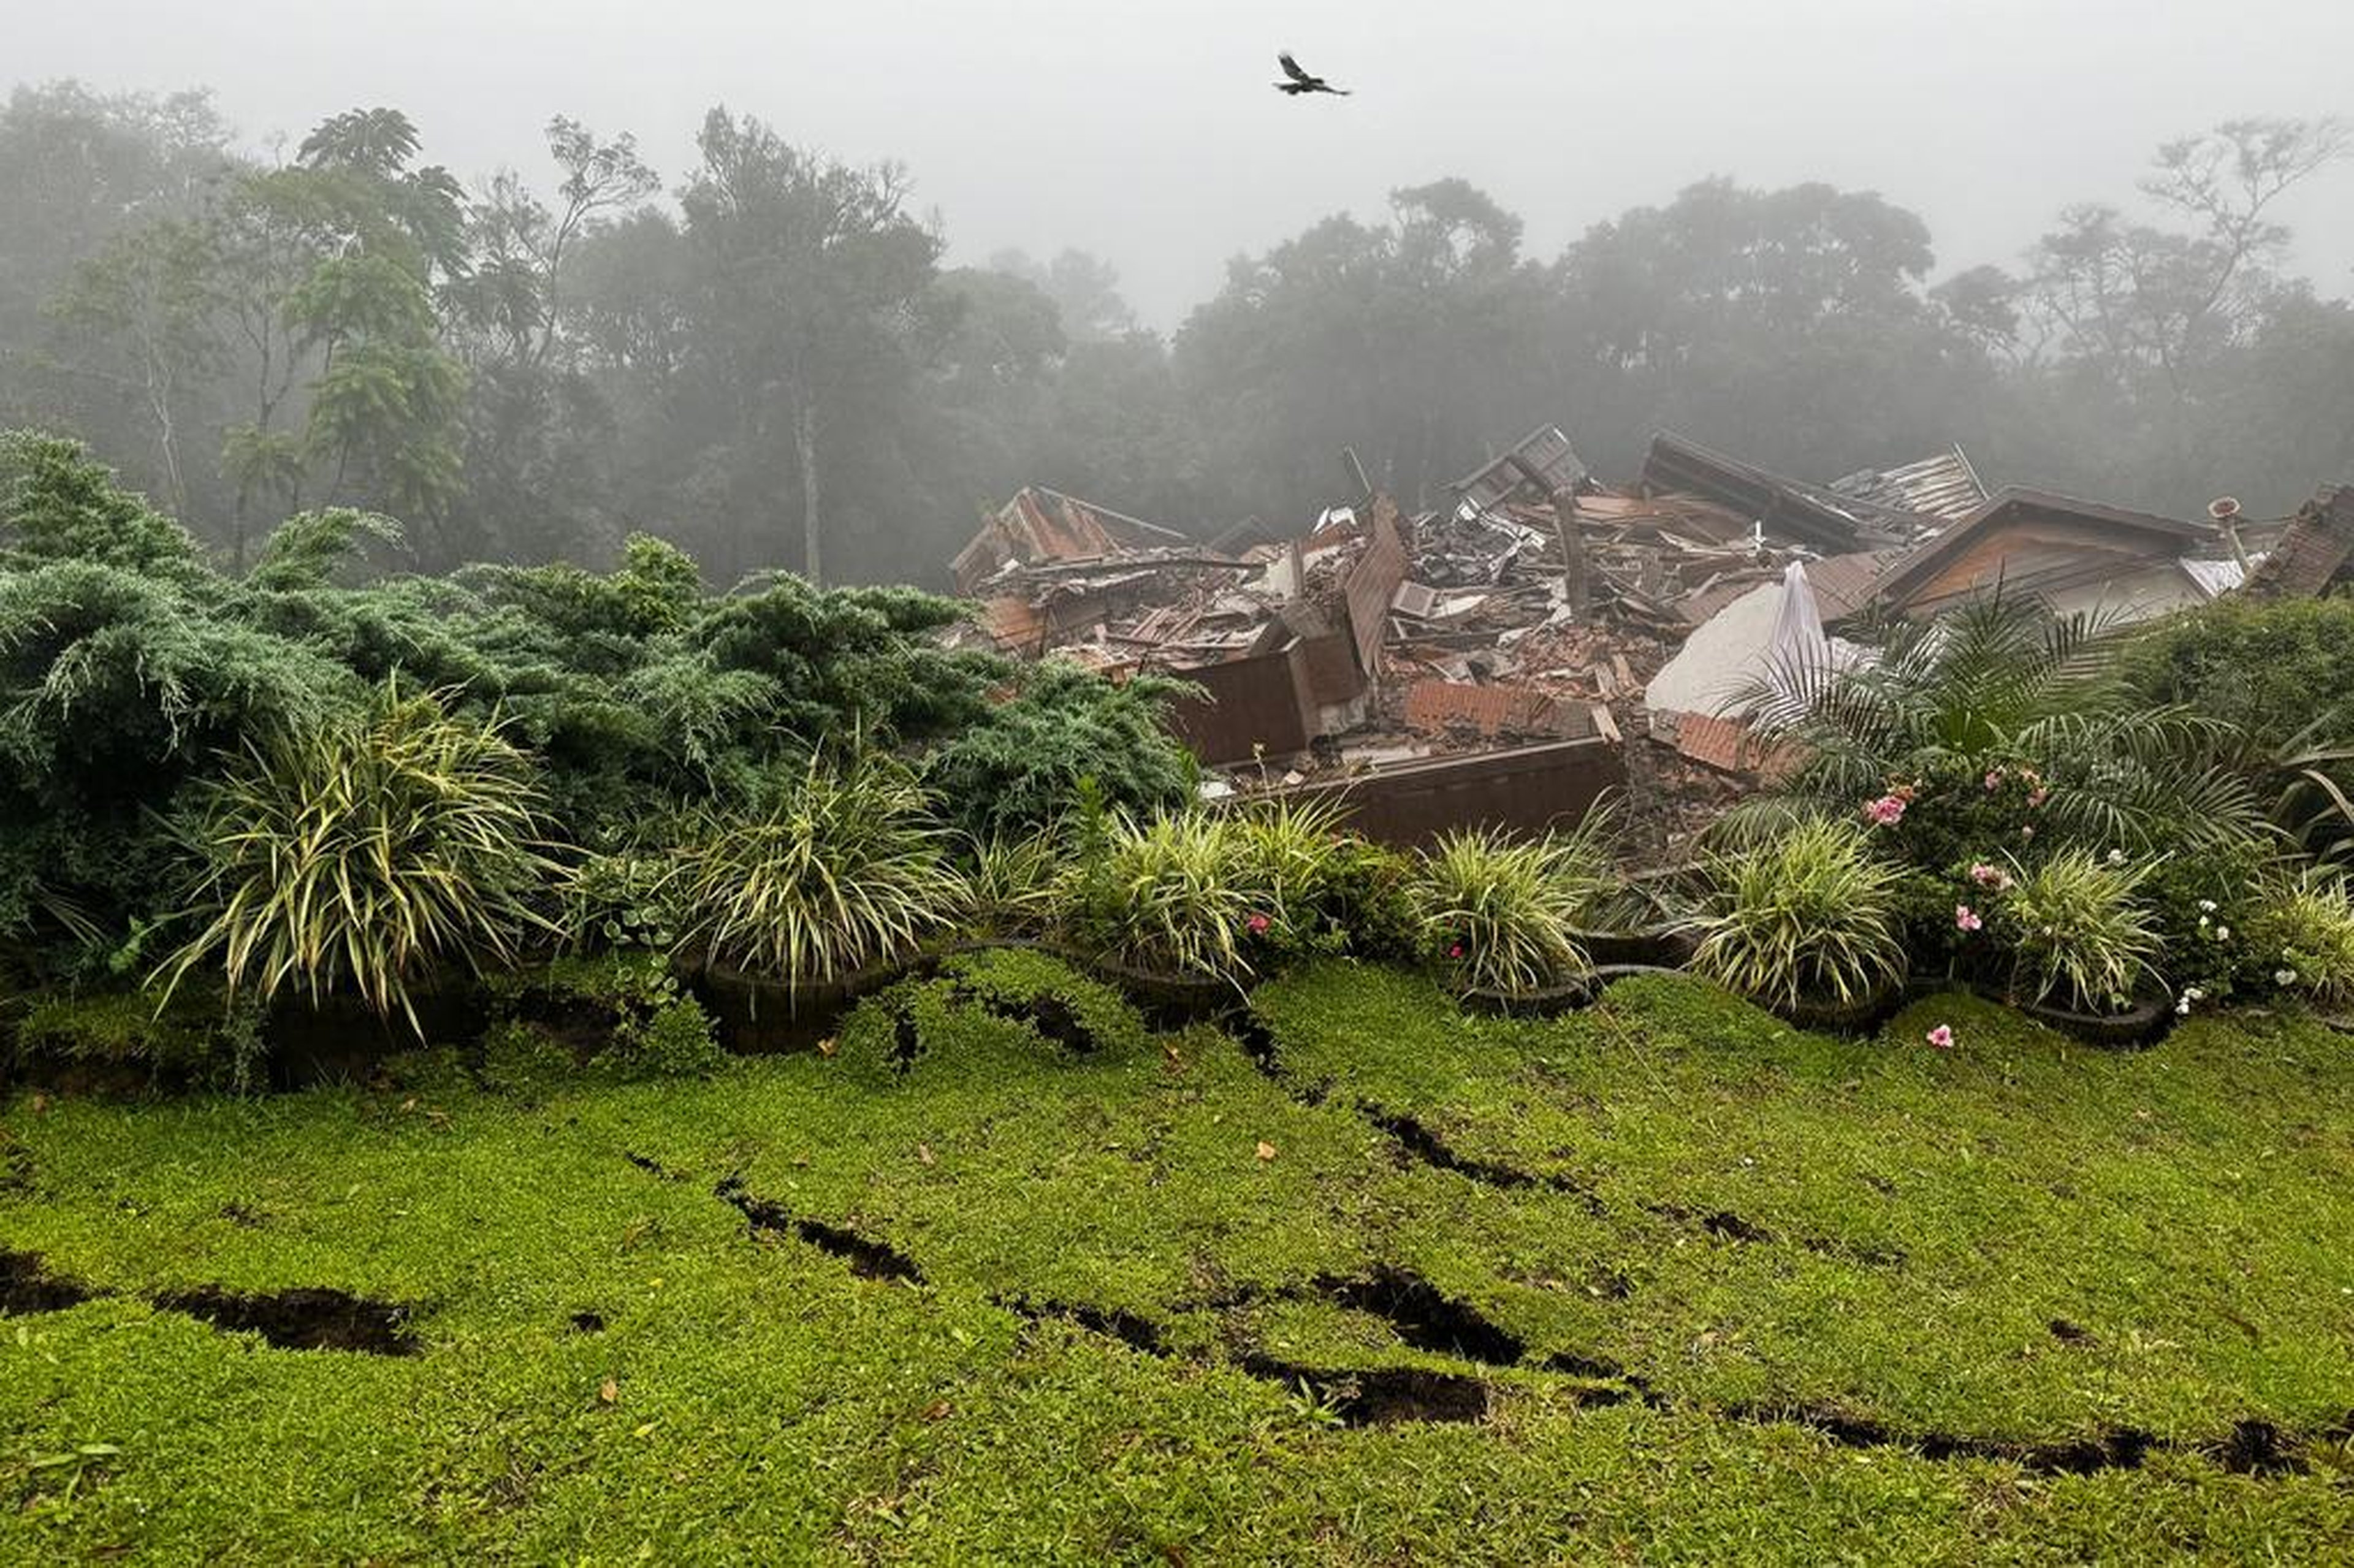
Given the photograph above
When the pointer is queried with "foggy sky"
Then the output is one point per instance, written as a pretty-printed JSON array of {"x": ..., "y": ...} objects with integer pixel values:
[{"x": 1149, "y": 132}]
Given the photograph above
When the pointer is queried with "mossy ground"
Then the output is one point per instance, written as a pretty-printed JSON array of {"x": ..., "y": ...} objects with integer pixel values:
[{"x": 1725, "y": 1291}]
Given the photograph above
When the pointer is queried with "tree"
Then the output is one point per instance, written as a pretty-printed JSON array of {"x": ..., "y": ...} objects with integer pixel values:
[
  {"x": 1084, "y": 288},
  {"x": 808, "y": 280}
]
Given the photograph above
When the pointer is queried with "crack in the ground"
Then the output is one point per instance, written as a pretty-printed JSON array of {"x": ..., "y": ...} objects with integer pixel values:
[
  {"x": 868, "y": 1258},
  {"x": 1139, "y": 1334},
  {"x": 1258, "y": 1041},
  {"x": 304, "y": 1318},
  {"x": 2122, "y": 1448},
  {"x": 1056, "y": 1021},
  {"x": 1379, "y": 1396},
  {"x": 1416, "y": 1141}
]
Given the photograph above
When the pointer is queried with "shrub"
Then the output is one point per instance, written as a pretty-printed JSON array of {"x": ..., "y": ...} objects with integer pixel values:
[
  {"x": 364, "y": 854},
  {"x": 2079, "y": 931},
  {"x": 1018, "y": 769},
  {"x": 1806, "y": 916},
  {"x": 2001, "y": 723},
  {"x": 843, "y": 868},
  {"x": 1502, "y": 912},
  {"x": 2307, "y": 930},
  {"x": 1166, "y": 895}
]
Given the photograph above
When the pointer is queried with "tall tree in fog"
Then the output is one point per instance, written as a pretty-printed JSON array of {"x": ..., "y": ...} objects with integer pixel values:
[
  {"x": 808, "y": 287},
  {"x": 2138, "y": 335},
  {"x": 1794, "y": 326},
  {"x": 1410, "y": 341},
  {"x": 537, "y": 426}
]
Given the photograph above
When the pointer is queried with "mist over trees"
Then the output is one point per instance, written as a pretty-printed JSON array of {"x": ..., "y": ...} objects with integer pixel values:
[{"x": 764, "y": 357}]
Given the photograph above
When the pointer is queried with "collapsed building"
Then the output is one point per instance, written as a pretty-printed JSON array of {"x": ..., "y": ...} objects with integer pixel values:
[{"x": 1544, "y": 637}]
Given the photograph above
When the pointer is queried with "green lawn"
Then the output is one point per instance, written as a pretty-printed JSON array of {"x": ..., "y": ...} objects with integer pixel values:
[{"x": 1660, "y": 1280}]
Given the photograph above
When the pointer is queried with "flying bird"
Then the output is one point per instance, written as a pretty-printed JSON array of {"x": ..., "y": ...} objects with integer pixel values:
[{"x": 1301, "y": 81}]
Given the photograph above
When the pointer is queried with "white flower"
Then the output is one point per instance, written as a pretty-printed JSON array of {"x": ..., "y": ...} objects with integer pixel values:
[
  {"x": 2117, "y": 857},
  {"x": 2182, "y": 1008},
  {"x": 2202, "y": 920},
  {"x": 2206, "y": 906},
  {"x": 2283, "y": 976},
  {"x": 2222, "y": 933},
  {"x": 2192, "y": 993}
]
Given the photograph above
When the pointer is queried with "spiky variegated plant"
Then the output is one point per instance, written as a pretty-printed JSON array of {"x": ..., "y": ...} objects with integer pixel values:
[
  {"x": 1504, "y": 912},
  {"x": 364, "y": 852},
  {"x": 1806, "y": 914},
  {"x": 2004, "y": 679},
  {"x": 845, "y": 867}
]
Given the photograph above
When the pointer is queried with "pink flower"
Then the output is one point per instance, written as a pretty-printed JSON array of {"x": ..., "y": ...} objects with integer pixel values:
[
  {"x": 2027, "y": 831},
  {"x": 1886, "y": 812},
  {"x": 1993, "y": 779},
  {"x": 1966, "y": 919},
  {"x": 2037, "y": 796},
  {"x": 1942, "y": 1037},
  {"x": 1993, "y": 876},
  {"x": 1455, "y": 951},
  {"x": 1259, "y": 922}
]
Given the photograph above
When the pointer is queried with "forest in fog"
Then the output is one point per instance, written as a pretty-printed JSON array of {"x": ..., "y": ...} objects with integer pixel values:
[{"x": 765, "y": 357}]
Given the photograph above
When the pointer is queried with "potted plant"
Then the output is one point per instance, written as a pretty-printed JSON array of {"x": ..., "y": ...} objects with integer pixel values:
[
  {"x": 1804, "y": 922},
  {"x": 2082, "y": 944},
  {"x": 1160, "y": 909},
  {"x": 797, "y": 909},
  {"x": 1501, "y": 916}
]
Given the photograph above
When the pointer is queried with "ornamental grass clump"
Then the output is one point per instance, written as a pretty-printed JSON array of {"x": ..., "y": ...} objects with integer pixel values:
[
  {"x": 1168, "y": 895},
  {"x": 2309, "y": 924},
  {"x": 1502, "y": 913},
  {"x": 2079, "y": 931},
  {"x": 1805, "y": 916},
  {"x": 363, "y": 853},
  {"x": 844, "y": 868}
]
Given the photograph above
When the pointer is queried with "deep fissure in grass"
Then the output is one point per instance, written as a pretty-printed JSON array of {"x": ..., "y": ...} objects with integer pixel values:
[
  {"x": 1379, "y": 1396},
  {"x": 1139, "y": 1334},
  {"x": 303, "y": 1318},
  {"x": 1424, "y": 1317},
  {"x": 1056, "y": 1021},
  {"x": 868, "y": 1258},
  {"x": 1416, "y": 1141},
  {"x": 1257, "y": 1039},
  {"x": 26, "y": 1286}
]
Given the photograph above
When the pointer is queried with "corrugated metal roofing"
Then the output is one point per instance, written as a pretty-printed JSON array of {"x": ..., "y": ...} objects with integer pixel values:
[
  {"x": 1041, "y": 524},
  {"x": 1944, "y": 486},
  {"x": 1544, "y": 448},
  {"x": 1810, "y": 513}
]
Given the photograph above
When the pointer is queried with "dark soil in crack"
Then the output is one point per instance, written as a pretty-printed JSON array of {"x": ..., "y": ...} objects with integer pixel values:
[
  {"x": 27, "y": 1287},
  {"x": 2123, "y": 1449},
  {"x": 1424, "y": 1317},
  {"x": 1258, "y": 1041},
  {"x": 868, "y": 1258},
  {"x": 906, "y": 1039},
  {"x": 302, "y": 1320},
  {"x": 1380, "y": 1396},
  {"x": 652, "y": 1167},
  {"x": 1056, "y": 1021},
  {"x": 1416, "y": 1141},
  {"x": 587, "y": 1322},
  {"x": 1139, "y": 1334},
  {"x": 2258, "y": 1449}
]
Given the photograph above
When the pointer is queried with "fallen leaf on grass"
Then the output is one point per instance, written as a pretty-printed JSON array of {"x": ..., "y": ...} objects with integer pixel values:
[
  {"x": 1266, "y": 1149},
  {"x": 609, "y": 1392},
  {"x": 828, "y": 1046},
  {"x": 937, "y": 1410},
  {"x": 924, "y": 1153}
]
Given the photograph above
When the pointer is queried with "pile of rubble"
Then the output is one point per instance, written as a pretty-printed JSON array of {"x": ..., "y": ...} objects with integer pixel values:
[{"x": 1534, "y": 614}]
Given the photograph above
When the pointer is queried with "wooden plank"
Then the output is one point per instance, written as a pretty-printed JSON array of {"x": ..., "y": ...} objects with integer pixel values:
[{"x": 1603, "y": 725}]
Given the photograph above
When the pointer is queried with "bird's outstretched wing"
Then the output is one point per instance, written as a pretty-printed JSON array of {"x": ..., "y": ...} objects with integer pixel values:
[{"x": 1291, "y": 68}]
